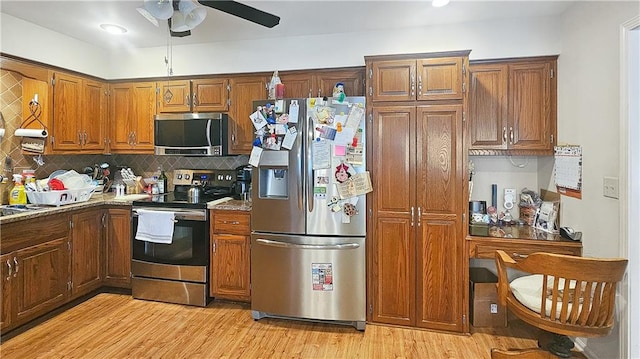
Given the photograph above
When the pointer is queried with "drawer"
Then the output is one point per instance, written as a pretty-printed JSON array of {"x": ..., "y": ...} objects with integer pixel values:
[
  {"x": 233, "y": 222},
  {"x": 519, "y": 250}
]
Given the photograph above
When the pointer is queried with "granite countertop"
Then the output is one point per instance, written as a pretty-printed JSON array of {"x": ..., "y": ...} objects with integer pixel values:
[
  {"x": 515, "y": 232},
  {"x": 100, "y": 199}
]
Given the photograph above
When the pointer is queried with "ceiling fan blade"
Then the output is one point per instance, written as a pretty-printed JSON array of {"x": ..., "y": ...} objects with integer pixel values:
[{"x": 243, "y": 11}]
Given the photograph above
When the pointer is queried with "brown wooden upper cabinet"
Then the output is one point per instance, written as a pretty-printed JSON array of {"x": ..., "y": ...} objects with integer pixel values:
[
  {"x": 398, "y": 78},
  {"x": 243, "y": 91},
  {"x": 200, "y": 95},
  {"x": 79, "y": 114},
  {"x": 320, "y": 83},
  {"x": 132, "y": 106},
  {"x": 512, "y": 105}
]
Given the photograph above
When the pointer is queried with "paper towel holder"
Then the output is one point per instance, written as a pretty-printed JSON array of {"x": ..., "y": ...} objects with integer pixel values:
[{"x": 33, "y": 139}]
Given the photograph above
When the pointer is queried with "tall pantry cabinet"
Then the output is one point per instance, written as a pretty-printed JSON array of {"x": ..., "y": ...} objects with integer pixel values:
[{"x": 417, "y": 253}]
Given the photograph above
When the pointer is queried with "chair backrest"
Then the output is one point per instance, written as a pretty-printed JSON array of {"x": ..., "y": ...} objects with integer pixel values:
[{"x": 577, "y": 294}]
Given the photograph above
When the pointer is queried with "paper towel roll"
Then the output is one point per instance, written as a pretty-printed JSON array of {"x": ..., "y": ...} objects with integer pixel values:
[{"x": 26, "y": 132}]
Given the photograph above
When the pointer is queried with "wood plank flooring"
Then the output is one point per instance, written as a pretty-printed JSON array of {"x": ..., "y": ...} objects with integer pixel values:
[{"x": 117, "y": 326}]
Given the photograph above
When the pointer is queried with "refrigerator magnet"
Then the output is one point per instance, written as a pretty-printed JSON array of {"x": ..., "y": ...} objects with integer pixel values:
[{"x": 342, "y": 173}]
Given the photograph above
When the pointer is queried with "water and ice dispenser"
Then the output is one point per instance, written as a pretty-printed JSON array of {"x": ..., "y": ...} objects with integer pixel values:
[{"x": 274, "y": 175}]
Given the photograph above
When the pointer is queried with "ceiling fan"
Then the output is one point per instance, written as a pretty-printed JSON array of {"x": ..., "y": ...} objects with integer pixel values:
[{"x": 184, "y": 15}]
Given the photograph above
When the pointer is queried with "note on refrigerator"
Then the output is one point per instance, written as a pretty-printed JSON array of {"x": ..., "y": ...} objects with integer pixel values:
[
  {"x": 321, "y": 151},
  {"x": 356, "y": 114},
  {"x": 258, "y": 120},
  {"x": 293, "y": 111},
  {"x": 254, "y": 159},
  {"x": 290, "y": 138},
  {"x": 358, "y": 184}
]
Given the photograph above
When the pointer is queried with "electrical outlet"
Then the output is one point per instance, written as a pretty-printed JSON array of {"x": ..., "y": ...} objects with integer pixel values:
[
  {"x": 509, "y": 198},
  {"x": 493, "y": 308},
  {"x": 610, "y": 187}
]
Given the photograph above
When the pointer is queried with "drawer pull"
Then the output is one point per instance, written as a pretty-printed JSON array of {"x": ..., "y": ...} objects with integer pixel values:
[
  {"x": 230, "y": 222},
  {"x": 10, "y": 269},
  {"x": 518, "y": 255}
]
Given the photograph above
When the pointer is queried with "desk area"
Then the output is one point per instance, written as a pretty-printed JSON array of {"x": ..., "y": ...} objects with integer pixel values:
[{"x": 520, "y": 241}]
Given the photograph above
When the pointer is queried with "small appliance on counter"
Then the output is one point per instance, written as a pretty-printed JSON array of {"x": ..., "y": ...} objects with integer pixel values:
[
  {"x": 242, "y": 182},
  {"x": 477, "y": 212}
]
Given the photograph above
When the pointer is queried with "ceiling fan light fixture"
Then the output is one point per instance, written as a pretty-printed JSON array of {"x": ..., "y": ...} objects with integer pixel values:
[
  {"x": 439, "y": 3},
  {"x": 160, "y": 9},
  {"x": 178, "y": 22},
  {"x": 193, "y": 15}
]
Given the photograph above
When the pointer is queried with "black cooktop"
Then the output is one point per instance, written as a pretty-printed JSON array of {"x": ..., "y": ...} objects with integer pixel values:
[{"x": 179, "y": 199}]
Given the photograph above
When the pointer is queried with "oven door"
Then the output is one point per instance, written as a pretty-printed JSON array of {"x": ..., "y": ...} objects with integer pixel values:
[{"x": 189, "y": 245}]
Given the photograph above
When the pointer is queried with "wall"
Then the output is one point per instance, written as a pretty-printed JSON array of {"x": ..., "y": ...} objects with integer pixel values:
[
  {"x": 495, "y": 39},
  {"x": 588, "y": 109}
]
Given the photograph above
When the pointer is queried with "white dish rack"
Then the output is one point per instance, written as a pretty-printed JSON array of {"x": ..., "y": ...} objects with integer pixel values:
[{"x": 58, "y": 198}]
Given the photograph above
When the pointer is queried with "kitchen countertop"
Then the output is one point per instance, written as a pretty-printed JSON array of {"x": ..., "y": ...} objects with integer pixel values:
[
  {"x": 520, "y": 232},
  {"x": 100, "y": 199}
]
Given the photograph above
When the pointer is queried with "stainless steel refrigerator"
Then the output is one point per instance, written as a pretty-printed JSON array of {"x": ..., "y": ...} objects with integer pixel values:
[{"x": 308, "y": 212}]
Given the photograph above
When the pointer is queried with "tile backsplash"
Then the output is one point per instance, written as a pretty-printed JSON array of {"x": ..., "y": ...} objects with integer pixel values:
[{"x": 13, "y": 160}]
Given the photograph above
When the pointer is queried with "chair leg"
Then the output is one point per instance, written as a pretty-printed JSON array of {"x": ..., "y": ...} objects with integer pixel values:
[{"x": 559, "y": 345}]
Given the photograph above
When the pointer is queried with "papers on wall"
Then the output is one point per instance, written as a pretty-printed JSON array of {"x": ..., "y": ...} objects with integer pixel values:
[{"x": 568, "y": 169}]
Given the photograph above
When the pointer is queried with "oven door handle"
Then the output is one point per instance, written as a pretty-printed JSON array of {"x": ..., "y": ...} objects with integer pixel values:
[
  {"x": 180, "y": 214},
  {"x": 307, "y": 246}
]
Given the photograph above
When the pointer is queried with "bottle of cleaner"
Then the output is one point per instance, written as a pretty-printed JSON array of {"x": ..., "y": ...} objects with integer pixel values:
[{"x": 17, "y": 194}]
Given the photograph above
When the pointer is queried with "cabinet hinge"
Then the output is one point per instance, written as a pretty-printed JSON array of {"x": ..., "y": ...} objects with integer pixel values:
[
  {"x": 370, "y": 73},
  {"x": 551, "y": 138},
  {"x": 53, "y": 81},
  {"x": 69, "y": 246},
  {"x": 464, "y": 116},
  {"x": 464, "y": 217},
  {"x": 370, "y": 90},
  {"x": 464, "y": 69},
  {"x": 228, "y": 88},
  {"x": 464, "y": 318},
  {"x": 71, "y": 224},
  {"x": 69, "y": 285},
  {"x": 464, "y": 87},
  {"x": 370, "y": 118},
  {"x": 228, "y": 102},
  {"x": 370, "y": 308},
  {"x": 51, "y": 139},
  {"x": 157, "y": 90},
  {"x": 552, "y": 73},
  {"x": 370, "y": 213}
]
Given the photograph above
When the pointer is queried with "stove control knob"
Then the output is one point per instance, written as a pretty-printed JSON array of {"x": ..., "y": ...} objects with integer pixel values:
[
  {"x": 220, "y": 177},
  {"x": 228, "y": 178},
  {"x": 187, "y": 177},
  {"x": 179, "y": 176}
]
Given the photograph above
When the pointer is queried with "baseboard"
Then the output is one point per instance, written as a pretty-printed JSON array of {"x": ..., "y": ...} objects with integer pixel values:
[{"x": 581, "y": 345}]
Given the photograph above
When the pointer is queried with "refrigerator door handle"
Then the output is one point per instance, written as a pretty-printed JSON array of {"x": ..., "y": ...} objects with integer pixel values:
[
  {"x": 271, "y": 243},
  {"x": 309, "y": 175},
  {"x": 300, "y": 183}
]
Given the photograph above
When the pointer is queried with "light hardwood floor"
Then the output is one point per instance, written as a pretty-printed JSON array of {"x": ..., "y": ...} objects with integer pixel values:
[{"x": 117, "y": 326}]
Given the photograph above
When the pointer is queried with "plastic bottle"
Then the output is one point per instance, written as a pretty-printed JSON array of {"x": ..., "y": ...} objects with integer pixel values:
[
  {"x": 17, "y": 194},
  {"x": 162, "y": 181}
]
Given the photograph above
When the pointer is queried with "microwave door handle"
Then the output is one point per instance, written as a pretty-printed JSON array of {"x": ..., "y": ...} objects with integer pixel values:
[{"x": 209, "y": 132}]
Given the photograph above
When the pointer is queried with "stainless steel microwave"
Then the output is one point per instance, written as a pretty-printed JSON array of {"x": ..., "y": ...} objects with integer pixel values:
[{"x": 191, "y": 134}]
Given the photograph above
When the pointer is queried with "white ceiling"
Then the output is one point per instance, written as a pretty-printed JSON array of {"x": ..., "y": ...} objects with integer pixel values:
[{"x": 81, "y": 19}]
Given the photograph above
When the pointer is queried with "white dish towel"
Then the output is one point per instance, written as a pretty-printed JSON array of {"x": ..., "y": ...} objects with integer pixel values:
[{"x": 155, "y": 226}]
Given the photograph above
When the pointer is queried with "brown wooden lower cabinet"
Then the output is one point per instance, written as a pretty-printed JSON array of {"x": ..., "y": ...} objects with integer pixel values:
[
  {"x": 229, "y": 273},
  {"x": 86, "y": 244},
  {"x": 36, "y": 274},
  {"x": 117, "y": 249}
]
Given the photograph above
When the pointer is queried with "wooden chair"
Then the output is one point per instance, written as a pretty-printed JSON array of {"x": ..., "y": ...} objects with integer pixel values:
[{"x": 564, "y": 295}]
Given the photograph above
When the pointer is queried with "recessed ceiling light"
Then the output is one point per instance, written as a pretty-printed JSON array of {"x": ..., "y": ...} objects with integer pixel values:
[
  {"x": 439, "y": 3},
  {"x": 113, "y": 29}
]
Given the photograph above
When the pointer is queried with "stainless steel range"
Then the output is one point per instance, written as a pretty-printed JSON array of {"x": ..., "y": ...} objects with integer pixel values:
[{"x": 173, "y": 266}]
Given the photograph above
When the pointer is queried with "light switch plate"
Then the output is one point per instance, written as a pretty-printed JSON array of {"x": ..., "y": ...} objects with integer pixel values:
[{"x": 610, "y": 187}]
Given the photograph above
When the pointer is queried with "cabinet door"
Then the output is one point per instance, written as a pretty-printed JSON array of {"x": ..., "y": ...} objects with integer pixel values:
[
  {"x": 94, "y": 116},
  {"x": 392, "y": 281},
  {"x": 118, "y": 248},
  {"x": 174, "y": 96},
  {"x": 67, "y": 112},
  {"x": 488, "y": 106},
  {"x": 6, "y": 261},
  {"x": 326, "y": 80},
  {"x": 439, "y": 198},
  {"x": 530, "y": 108},
  {"x": 230, "y": 267},
  {"x": 42, "y": 278},
  {"x": 244, "y": 90},
  {"x": 144, "y": 109},
  {"x": 440, "y": 78},
  {"x": 86, "y": 242},
  {"x": 297, "y": 85},
  {"x": 210, "y": 95},
  {"x": 121, "y": 116},
  {"x": 393, "y": 80}
]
